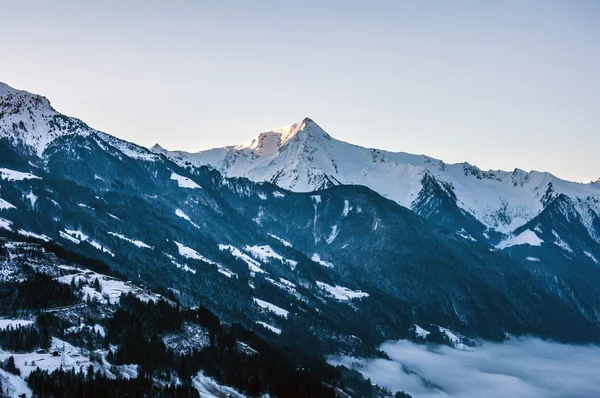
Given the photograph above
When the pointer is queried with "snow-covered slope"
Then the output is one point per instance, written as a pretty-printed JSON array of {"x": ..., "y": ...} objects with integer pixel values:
[{"x": 303, "y": 158}]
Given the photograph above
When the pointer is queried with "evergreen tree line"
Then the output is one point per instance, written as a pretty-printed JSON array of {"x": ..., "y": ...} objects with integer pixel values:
[
  {"x": 24, "y": 338},
  {"x": 70, "y": 384},
  {"x": 136, "y": 328},
  {"x": 38, "y": 291},
  {"x": 10, "y": 366}
]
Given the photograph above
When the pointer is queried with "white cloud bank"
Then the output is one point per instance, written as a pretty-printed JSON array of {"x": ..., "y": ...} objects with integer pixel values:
[{"x": 523, "y": 367}]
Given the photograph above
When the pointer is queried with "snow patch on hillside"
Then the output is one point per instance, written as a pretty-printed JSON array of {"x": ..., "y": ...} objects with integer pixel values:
[
  {"x": 464, "y": 234},
  {"x": 136, "y": 242},
  {"x": 266, "y": 252},
  {"x": 347, "y": 208},
  {"x": 68, "y": 237},
  {"x": 100, "y": 247},
  {"x": 527, "y": 237},
  {"x": 188, "y": 252},
  {"x": 14, "y": 386},
  {"x": 253, "y": 265},
  {"x": 271, "y": 307},
  {"x": 184, "y": 267},
  {"x": 184, "y": 182},
  {"x": 13, "y": 323},
  {"x": 77, "y": 234},
  {"x": 33, "y": 235},
  {"x": 4, "y": 205},
  {"x": 5, "y": 224},
  {"x": 209, "y": 388},
  {"x": 420, "y": 332},
  {"x": 180, "y": 213},
  {"x": 13, "y": 175},
  {"x": 332, "y": 235},
  {"x": 284, "y": 242},
  {"x": 32, "y": 198},
  {"x": 317, "y": 259},
  {"x": 561, "y": 243},
  {"x": 341, "y": 293},
  {"x": 590, "y": 255},
  {"x": 269, "y": 327}
]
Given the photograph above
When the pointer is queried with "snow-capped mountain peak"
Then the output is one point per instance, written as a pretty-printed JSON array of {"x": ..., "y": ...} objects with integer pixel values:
[
  {"x": 31, "y": 122},
  {"x": 302, "y": 157}
]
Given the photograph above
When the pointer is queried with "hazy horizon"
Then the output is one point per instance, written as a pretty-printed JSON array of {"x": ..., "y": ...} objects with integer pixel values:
[{"x": 501, "y": 86}]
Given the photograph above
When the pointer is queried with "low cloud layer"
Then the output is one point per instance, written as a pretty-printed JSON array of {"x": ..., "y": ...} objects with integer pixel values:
[{"x": 524, "y": 367}]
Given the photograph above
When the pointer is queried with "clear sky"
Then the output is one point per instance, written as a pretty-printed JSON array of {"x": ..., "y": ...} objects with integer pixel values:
[{"x": 499, "y": 84}]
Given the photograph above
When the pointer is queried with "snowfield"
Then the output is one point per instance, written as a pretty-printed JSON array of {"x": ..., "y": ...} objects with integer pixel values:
[
  {"x": 527, "y": 237},
  {"x": 184, "y": 182},
  {"x": 13, "y": 175}
]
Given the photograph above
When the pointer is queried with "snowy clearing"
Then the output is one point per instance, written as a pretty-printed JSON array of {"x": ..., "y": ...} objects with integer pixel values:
[
  {"x": 266, "y": 252},
  {"x": 317, "y": 259},
  {"x": 270, "y": 327},
  {"x": 341, "y": 293},
  {"x": 184, "y": 267},
  {"x": 188, "y": 252},
  {"x": 271, "y": 307},
  {"x": 253, "y": 265},
  {"x": 100, "y": 247},
  {"x": 13, "y": 175},
  {"x": 180, "y": 213},
  {"x": 184, "y": 182},
  {"x": 527, "y": 237},
  {"x": 14, "y": 323},
  {"x": 283, "y": 241},
  {"x": 4, "y": 205},
  {"x": 209, "y": 388},
  {"x": 68, "y": 237},
  {"x": 29, "y": 234},
  {"x": 5, "y": 224},
  {"x": 136, "y": 242},
  {"x": 420, "y": 332}
]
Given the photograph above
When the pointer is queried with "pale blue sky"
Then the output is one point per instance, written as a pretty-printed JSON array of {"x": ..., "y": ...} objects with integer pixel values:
[{"x": 499, "y": 84}]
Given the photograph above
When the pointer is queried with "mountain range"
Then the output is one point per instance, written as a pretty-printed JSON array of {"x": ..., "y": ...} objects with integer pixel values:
[{"x": 313, "y": 242}]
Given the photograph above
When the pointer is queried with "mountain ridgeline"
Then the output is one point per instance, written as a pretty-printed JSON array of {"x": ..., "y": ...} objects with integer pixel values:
[{"x": 298, "y": 253}]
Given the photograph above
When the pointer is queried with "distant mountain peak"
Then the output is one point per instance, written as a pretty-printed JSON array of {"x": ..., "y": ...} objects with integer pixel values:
[
  {"x": 15, "y": 99},
  {"x": 157, "y": 148}
]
